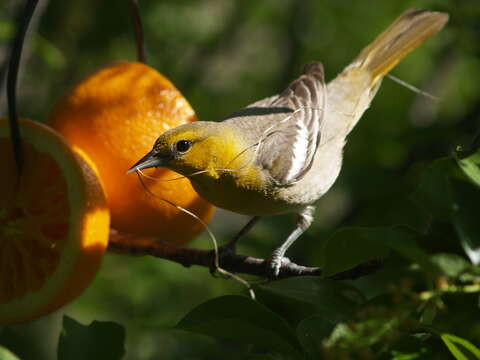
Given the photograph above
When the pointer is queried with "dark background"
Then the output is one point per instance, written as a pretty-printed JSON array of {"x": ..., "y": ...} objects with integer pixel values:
[{"x": 223, "y": 55}]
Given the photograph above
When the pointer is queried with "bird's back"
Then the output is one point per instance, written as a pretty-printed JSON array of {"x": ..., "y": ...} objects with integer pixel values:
[{"x": 285, "y": 128}]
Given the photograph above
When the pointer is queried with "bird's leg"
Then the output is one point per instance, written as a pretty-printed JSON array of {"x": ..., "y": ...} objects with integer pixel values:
[
  {"x": 231, "y": 246},
  {"x": 304, "y": 220}
]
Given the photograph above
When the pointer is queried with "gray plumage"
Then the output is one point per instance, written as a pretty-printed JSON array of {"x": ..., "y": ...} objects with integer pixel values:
[{"x": 287, "y": 126}]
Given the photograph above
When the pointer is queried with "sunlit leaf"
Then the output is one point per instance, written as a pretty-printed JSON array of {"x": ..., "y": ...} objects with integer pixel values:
[
  {"x": 460, "y": 348},
  {"x": 244, "y": 320},
  {"x": 471, "y": 167},
  {"x": 451, "y": 264},
  {"x": 397, "y": 355},
  {"x": 6, "y": 354},
  {"x": 465, "y": 217}
]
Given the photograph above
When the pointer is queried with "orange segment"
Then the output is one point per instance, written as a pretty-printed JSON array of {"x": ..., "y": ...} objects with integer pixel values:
[
  {"x": 34, "y": 224},
  {"x": 115, "y": 115},
  {"x": 54, "y": 224}
]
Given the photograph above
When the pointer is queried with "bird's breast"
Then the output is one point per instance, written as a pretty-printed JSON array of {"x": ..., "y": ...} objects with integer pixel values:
[{"x": 248, "y": 195}]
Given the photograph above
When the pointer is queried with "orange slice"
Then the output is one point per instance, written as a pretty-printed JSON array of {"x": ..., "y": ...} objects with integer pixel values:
[{"x": 54, "y": 224}]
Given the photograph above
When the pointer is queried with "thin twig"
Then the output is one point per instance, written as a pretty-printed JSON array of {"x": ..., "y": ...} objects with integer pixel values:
[
  {"x": 235, "y": 263},
  {"x": 12, "y": 76},
  {"x": 137, "y": 24}
]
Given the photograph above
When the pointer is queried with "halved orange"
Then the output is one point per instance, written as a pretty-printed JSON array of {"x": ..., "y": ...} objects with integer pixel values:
[{"x": 54, "y": 224}]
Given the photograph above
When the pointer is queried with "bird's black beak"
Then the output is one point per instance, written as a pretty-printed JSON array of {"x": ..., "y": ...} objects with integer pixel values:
[{"x": 152, "y": 159}]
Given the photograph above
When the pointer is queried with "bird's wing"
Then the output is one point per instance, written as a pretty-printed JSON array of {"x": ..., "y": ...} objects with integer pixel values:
[{"x": 289, "y": 142}]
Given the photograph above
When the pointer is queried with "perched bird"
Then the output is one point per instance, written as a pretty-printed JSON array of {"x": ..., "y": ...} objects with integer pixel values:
[{"x": 283, "y": 153}]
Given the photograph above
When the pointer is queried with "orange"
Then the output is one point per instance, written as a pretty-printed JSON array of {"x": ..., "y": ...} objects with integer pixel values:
[
  {"x": 54, "y": 224},
  {"x": 114, "y": 116}
]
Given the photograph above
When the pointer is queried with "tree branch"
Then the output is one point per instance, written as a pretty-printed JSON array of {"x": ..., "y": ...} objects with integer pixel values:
[{"x": 135, "y": 245}]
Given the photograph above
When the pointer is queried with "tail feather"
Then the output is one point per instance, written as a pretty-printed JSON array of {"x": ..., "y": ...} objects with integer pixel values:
[
  {"x": 351, "y": 92},
  {"x": 410, "y": 30}
]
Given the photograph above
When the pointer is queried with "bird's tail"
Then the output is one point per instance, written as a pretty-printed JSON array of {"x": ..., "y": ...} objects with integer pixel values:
[
  {"x": 350, "y": 93},
  {"x": 410, "y": 30}
]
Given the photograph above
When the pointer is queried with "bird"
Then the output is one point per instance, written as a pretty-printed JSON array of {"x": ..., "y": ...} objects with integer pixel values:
[{"x": 283, "y": 153}]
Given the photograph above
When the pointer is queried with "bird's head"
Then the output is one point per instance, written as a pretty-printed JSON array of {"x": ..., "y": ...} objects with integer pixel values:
[{"x": 194, "y": 147}]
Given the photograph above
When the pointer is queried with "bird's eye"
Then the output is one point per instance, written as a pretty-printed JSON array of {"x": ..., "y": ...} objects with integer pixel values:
[{"x": 183, "y": 145}]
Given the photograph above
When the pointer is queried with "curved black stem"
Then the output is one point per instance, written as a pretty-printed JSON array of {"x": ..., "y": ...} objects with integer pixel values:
[
  {"x": 12, "y": 77},
  {"x": 137, "y": 23}
]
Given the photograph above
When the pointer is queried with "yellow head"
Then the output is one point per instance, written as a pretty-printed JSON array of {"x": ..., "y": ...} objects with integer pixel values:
[{"x": 214, "y": 148}]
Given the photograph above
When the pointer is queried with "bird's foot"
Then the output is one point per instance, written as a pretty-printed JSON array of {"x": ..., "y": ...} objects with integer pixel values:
[{"x": 275, "y": 264}]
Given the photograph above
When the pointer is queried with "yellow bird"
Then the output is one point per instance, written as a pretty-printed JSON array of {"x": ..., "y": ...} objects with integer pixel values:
[{"x": 283, "y": 153}]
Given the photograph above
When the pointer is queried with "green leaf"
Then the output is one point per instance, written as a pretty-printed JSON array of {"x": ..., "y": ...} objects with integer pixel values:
[
  {"x": 6, "y": 354},
  {"x": 99, "y": 340},
  {"x": 433, "y": 193},
  {"x": 452, "y": 342},
  {"x": 451, "y": 265},
  {"x": 311, "y": 332},
  {"x": 241, "y": 319},
  {"x": 471, "y": 167},
  {"x": 49, "y": 53},
  {"x": 393, "y": 269},
  {"x": 397, "y": 355},
  {"x": 452, "y": 200},
  {"x": 466, "y": 219},
  {"x": 302, "y": 297},
  {"x": 352, "y": 246},
  {"x": 412, "y": 347},
  {"x": 429, "y": 312},
  {"x": 404, "y": 241},
  {"x": 7, "y": 30}
]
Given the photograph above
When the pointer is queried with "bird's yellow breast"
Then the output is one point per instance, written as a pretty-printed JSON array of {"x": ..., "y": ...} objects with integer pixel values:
[
  {"x": 241, "y": 195},
  {"x": 226, "y": 173}
]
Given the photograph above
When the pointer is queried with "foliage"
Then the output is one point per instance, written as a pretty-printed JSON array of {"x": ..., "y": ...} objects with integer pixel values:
[
  {"x": 408, "y": 193},
  {"x": 99, "y": 340}
]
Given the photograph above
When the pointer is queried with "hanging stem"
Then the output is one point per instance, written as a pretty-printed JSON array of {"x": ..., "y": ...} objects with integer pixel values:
[
  {"x": 137, "y": 23},
  {"x": 12, "y": 77}
]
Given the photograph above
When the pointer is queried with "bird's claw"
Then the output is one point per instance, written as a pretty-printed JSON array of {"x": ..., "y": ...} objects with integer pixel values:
[{"x": 275, "y": 264}]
